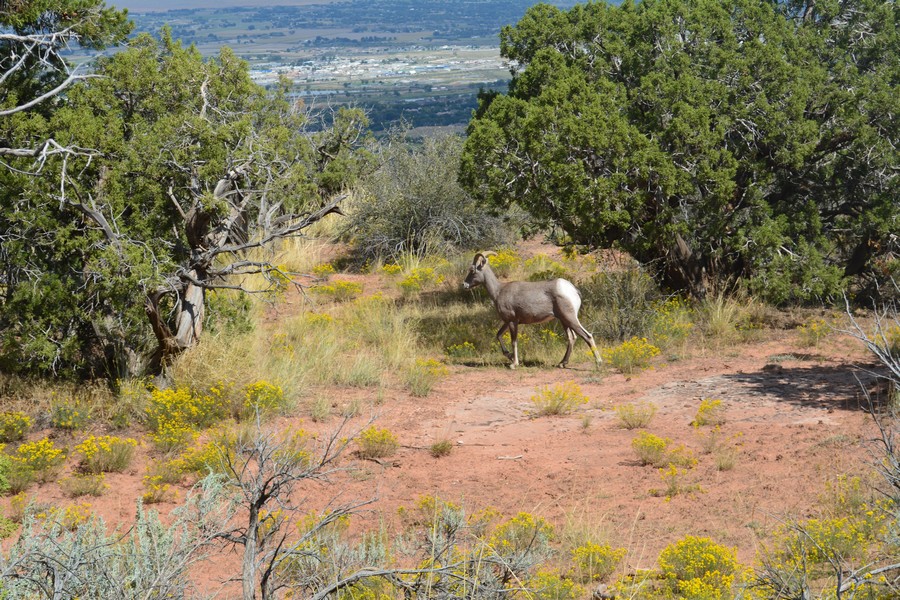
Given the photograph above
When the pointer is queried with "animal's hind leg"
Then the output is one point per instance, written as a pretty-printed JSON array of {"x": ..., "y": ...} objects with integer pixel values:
[
  {"x": 589, "y": 340},
  {"x": 570, "y": 343},
  {"x": 514, "y": 336},
  {"x": 500, "y": 339}
]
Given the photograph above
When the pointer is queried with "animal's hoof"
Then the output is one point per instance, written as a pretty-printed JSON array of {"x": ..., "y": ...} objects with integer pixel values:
[
  {"x": 513, "y": 365},
  {"x": 561, "y": 366}
]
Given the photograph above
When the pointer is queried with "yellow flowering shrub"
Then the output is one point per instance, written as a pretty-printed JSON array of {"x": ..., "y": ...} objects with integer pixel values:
[
  {"x": 560, "y": 399},
  {"x": 157, "y": 490},
  {"x": 659, "y": 452},
  {"x": 698, "y": 568},
  {"x": 324, "y": 271},
  {"x": 524, "y": 532},
  {"x": 672, "y": 321},
  {"x": 711, "y": 412},
  {"x": 504, "y": 262},
  {"x": 41, "y": 456},
  {"x": 811, "y": 333},
  {"x": 630, "y": 356},
  {"x": 423, "y": 375},
  {"x": 593, "y": 562},
  {"x": 463, "y": 350},
  {"x": 74, "y": 515},
  {"x": 339, "y": 290},
  {"x": 420, "y": 279},
  {"x": 105, "y": 454},
  {"x": 175, "y": 414},
  {"x": 13, "y": 426},
  {"x": 391, "y": 269},
  {"x": 635, "y": 415},
  {"x": 377, "y": 443},
  {"x": 263, "y": 398},
  {"x": 547, "y": 585}
]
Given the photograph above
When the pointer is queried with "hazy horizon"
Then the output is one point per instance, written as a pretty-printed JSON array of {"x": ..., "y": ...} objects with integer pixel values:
[{"x": 167, "y": 5}]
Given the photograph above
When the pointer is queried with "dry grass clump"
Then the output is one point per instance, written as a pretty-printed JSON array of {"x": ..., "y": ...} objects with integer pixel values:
[{"x": 635, "y": 415}]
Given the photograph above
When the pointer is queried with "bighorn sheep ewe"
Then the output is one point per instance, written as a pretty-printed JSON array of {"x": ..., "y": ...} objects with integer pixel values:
[{"x": 526, "y": 302}]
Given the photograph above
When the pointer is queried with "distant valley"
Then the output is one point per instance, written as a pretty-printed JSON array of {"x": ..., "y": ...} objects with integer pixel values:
[{"x": 420, "y": 61}]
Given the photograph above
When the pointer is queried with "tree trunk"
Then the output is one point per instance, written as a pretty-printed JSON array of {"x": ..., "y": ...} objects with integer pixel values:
[
  {"x": 251, "y": 549},
  {"x": 188, "y": 323}
]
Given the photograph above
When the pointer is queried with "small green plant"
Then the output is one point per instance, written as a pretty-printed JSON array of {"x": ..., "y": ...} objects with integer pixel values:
[
  {"x": 635, "y": 415},
  {"x": 89, "y": 484},
  {"x": 632, "y": 355},
  {"x": 711, "y": 412},
  {"x": 339, "y": 290},
  {"x": 593, "y": 562},
  {"x": 441, "y": 448},
  {"x": 811, "y": 333},
  {"x": 69, "y": 416},
  {"x": 105, "y": 454},
  {"x": 421, "y": 378},
  {"x": 14, "y": 426},
  {"x": 725, "y": 458},
  {"x": 320, "y": 409},
  {"x": 561, "y": 399},
  {"x": 377, "y": 443},
  {"x": 7, "y": 527}
]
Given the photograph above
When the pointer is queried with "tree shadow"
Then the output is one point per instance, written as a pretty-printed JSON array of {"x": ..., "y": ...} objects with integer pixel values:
[{"x": 842, "y": 387}]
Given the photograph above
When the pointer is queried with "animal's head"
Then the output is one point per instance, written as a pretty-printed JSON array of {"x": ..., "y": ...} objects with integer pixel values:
[{"x": 476, "y": 272}]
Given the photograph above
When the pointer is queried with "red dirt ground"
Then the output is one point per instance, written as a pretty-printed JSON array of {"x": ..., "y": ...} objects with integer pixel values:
[{"x": 795, "y": 412}]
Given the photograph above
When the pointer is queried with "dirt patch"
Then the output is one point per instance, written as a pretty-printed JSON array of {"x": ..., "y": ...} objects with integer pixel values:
[{"x": 794, "y": 417}]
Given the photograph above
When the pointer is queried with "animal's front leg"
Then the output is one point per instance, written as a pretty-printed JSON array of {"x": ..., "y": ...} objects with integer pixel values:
[{"x": 500, "y": 333}]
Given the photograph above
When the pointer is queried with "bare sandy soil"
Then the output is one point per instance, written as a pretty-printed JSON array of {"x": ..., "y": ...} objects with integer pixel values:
[{"x": 794, "y": 414}]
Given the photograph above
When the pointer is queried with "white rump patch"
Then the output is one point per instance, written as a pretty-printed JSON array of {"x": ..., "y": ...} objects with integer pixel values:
[{"x": 566, "y": 290}]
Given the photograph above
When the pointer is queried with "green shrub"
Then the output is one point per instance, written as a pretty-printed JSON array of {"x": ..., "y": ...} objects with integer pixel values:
[
  {"x": 69, "y": 416},
  {"x": 561, "y": 399},
  {"x": 547, "y": 585},
  {"x": 89, "y": 484},
  {"x": 441, "y": 448},
  {"x": 14, "y": 426},
  {"x": 623, "y": 303},
  {"x": 413, "y": 204}
]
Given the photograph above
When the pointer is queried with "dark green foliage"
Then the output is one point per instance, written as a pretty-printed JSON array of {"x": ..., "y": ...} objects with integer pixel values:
[
  {"x": 413, "y": 203},
  {"x": 714, "y": 141},
  {"x": 174, "y": 168}
]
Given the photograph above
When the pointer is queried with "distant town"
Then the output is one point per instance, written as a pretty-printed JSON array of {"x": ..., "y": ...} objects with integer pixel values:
[{"x": 419, "y": 61}]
